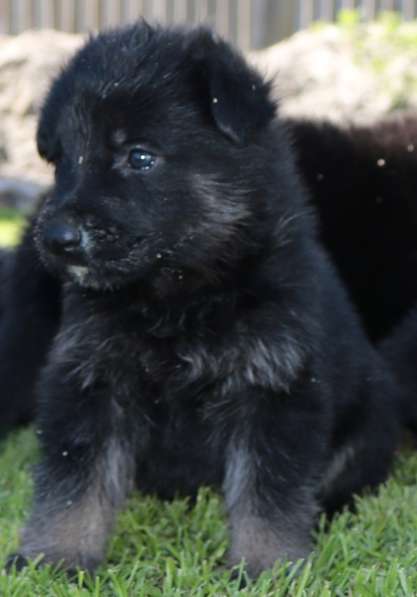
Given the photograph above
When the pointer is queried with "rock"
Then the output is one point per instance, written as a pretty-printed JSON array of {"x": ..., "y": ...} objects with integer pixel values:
[
  {"x": 27, "y": 64},
  {"x": 345, "y": 76}
]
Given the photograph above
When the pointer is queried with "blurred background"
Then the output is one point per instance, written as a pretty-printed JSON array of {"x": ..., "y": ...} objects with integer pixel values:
[
  {"x": 248, "y": 23},
  {"x": 340, "y": 60}
]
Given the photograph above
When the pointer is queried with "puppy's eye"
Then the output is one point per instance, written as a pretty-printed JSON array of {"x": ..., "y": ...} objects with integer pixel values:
[{"x": 140, "y": 159}]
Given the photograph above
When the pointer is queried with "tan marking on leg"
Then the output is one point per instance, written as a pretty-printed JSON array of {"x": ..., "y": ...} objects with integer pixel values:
[
  {"x": 75, "y": 532},
  {"x": 75, "y": 537},
  {"x": 262, "y": 540}
]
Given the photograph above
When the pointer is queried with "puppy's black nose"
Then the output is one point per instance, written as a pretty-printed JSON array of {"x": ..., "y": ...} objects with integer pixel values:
[{"x": 62, "y": 238}]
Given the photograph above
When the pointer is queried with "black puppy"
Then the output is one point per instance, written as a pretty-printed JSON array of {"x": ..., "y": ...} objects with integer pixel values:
[{"x": 204, "y": 338}]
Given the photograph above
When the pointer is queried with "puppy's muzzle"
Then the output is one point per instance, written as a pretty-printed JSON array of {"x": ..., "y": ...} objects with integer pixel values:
[{"x": 64, "y": 239}]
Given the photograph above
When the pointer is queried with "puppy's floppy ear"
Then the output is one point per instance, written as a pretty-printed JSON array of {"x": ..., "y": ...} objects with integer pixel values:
[
  {"x": 46, "y": 135},
  {"x": 239, "y": 99},
  {"x": 46, "y": 143}
]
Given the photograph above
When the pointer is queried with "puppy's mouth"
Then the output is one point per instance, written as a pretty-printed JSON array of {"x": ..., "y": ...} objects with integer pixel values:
[
  {"x": 90, "y": 258},
  {"x": 78, "y": 272},
  {"x": 78, "y": 254},
  {"x": 85, "y": 278},
  {"x": 104, "y": 270}
]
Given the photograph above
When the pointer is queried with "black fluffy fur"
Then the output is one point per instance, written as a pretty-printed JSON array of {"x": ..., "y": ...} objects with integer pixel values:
[
  {"x": 363, "y": 182},
  {"x": 205, "y": 338},
  {"x": 400, "y": 350},
  {"x": 29, "y": 317}
]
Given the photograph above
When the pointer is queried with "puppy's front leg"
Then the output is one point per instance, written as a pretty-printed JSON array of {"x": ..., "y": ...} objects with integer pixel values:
[
  {"x": 86, "y": 473},
  {"x": 269, "y": 485},
  {"x": 72, "y": 516}
]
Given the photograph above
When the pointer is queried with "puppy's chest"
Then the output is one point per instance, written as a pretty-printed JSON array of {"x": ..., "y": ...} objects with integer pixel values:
[
  {"x": 137, "y": 366},
  {"x": 148, "y": 369}
]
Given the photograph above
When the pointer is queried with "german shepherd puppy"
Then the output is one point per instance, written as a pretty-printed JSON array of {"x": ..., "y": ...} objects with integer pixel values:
[{"x": 204, "y": 339}]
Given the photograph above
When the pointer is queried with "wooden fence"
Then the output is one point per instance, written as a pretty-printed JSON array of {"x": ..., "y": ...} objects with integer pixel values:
[{"x": 249, "y": 23}]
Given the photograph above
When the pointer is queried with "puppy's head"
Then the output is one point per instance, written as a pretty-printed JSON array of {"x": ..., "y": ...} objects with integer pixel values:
[{"x": 158, "y": 141}]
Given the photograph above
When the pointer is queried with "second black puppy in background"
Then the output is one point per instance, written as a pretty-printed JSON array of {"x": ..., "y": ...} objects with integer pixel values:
[
  {"x": 400, "y": 350},
  {"x": 30, "y": 308},
  {"x": 363, "y": 183},
  {"x": 205, "y": 338}
]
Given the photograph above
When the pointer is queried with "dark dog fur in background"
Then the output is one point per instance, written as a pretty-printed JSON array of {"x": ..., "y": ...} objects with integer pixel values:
[
  {"x": 363, "y": 182},
  {"x": 400, "y": 350},
  {"x": 204, "y": 337},
  {"x": 30, "y": 307}
]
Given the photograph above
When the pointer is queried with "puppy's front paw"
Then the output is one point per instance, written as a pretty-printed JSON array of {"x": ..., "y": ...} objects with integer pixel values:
[{"x": 260, "y": 545}]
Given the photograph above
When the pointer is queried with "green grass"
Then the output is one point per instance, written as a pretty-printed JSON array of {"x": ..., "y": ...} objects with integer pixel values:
[
  {"x": 11, "y": 224},
  {"x": 174, "y": 549}
]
